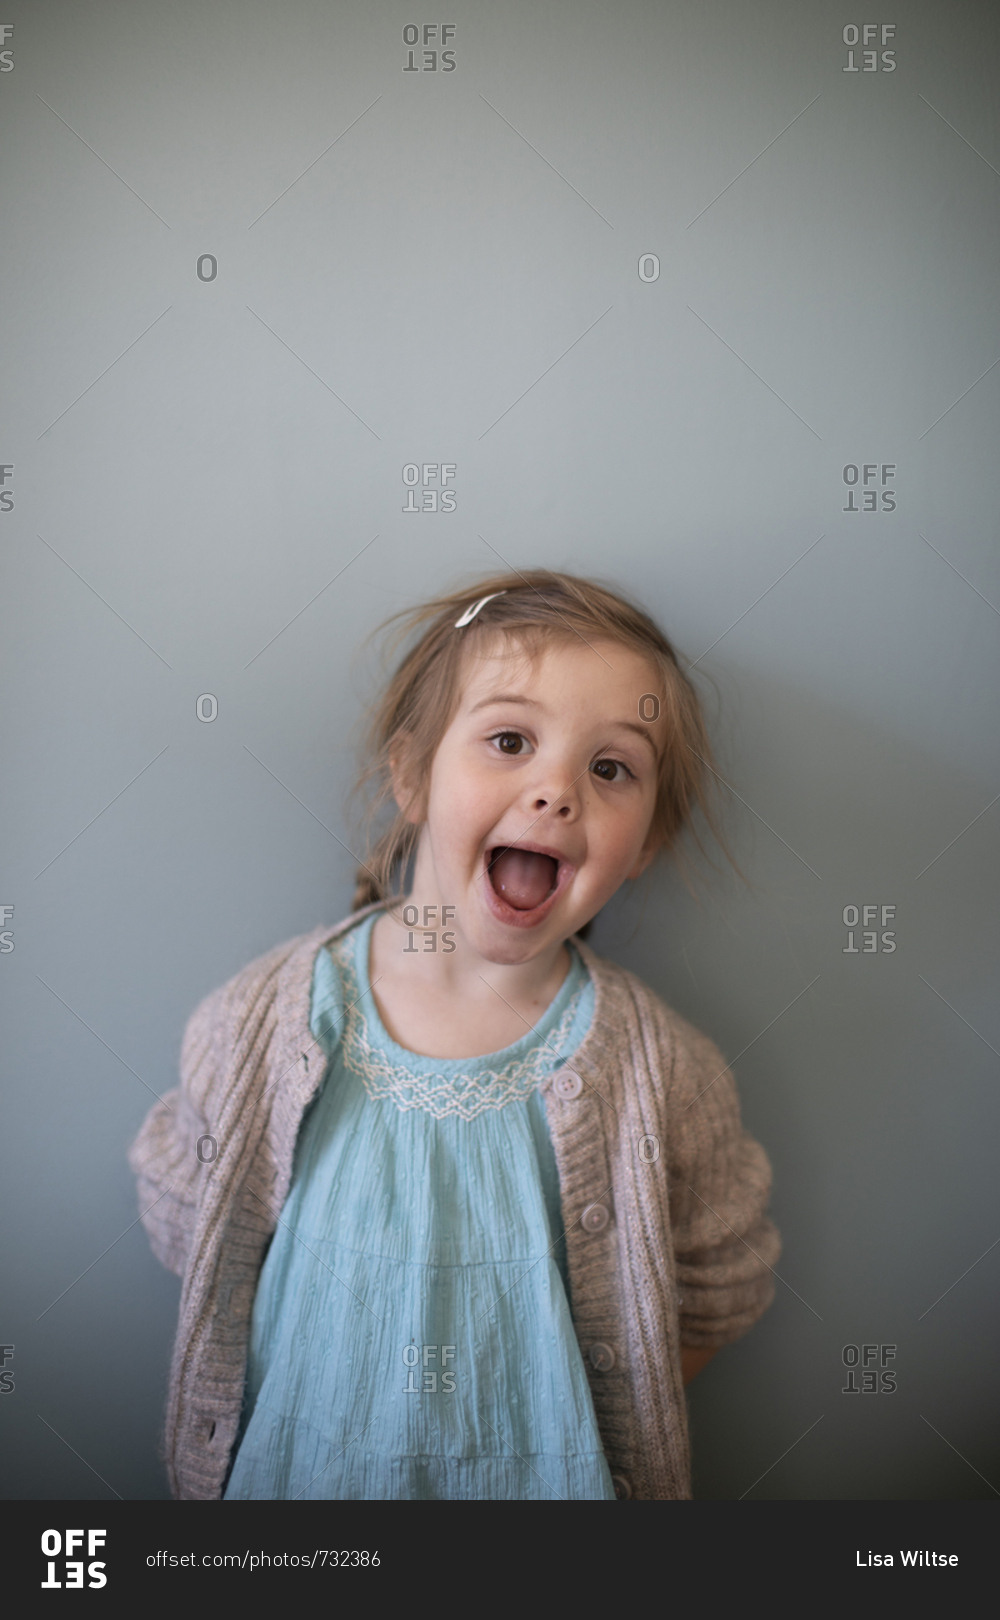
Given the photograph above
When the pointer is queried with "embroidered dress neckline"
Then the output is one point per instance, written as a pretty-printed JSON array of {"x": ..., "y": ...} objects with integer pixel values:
[{"x": 465, "y": 1087}]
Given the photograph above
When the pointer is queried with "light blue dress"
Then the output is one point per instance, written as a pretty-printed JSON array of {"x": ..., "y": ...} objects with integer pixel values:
[{"x": 411, "y": 1335}]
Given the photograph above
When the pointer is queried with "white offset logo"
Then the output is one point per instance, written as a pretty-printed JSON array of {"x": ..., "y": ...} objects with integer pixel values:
[{"x": 58, "y": 1547}]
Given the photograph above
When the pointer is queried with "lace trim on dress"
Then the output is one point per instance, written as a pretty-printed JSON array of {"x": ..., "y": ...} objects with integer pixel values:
[{"x": 464, "y": 1095}]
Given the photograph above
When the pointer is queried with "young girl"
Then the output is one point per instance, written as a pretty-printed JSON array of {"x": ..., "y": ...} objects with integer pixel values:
[{"x": 459, "y": 1205}]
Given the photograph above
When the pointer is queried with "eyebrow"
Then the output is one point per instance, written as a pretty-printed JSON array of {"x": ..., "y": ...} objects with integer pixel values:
[{"x": 516, "y": 697}]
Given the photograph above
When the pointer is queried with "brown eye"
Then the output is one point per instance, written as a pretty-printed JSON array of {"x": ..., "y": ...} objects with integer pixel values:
[
  {"x": 505, "y": 737},
  {"x": 616, "y": 765}
]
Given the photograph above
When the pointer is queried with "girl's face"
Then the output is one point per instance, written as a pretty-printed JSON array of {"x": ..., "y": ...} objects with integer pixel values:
[{"x": 552, "y": 758}]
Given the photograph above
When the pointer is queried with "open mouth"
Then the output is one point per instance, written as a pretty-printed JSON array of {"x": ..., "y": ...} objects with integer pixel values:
[{"x": 521, "y": 877}]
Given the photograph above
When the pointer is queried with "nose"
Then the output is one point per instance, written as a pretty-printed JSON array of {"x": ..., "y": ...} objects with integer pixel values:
[
  {"x": 564, "y": 810},
  {"x": 547, "y": 797}
]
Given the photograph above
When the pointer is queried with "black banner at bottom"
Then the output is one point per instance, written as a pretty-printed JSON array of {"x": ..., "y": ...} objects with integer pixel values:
[{"x": 197, "y": 1554}]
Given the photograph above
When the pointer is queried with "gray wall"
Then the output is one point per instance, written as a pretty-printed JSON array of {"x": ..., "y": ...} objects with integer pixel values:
[{"x": 443, "y": 267}]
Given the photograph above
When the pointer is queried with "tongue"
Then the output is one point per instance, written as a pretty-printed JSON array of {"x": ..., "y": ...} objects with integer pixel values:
[{"x": 522, "y": 877}]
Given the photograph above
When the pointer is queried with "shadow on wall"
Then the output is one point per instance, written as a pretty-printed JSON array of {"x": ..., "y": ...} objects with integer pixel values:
[{"x": 866, "y": 1067}]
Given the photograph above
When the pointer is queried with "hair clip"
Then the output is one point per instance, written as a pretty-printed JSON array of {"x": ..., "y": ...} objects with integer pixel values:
[{"x": 470, "y": 612}]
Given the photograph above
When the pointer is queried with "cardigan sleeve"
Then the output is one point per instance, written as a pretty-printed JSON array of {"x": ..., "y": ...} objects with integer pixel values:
[
  {"x": 719, "y": 1184},
  {"x": 174, "y": 1145}
]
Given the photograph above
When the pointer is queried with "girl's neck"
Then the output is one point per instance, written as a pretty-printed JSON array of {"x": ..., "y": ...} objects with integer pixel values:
[{"x": 450, "y": 1002}]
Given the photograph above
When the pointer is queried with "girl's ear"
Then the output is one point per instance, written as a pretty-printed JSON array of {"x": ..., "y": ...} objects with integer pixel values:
[{"x": 406, "y": 797}]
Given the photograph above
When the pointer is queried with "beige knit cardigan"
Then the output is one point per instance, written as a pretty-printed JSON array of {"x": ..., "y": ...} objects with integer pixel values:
[{"x": 663, "y": 1200}]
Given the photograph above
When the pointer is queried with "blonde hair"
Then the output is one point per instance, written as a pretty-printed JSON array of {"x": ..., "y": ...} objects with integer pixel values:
[{"x": 536, "y": 607}]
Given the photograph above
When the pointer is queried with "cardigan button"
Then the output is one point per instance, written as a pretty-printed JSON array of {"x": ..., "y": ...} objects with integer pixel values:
[
  {"x": 623, "y": 1489},
  {"x": 567, "y": 1085},
  {"x": 602, "y": 1357},
  {"x": 595, "y": 1218}
]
